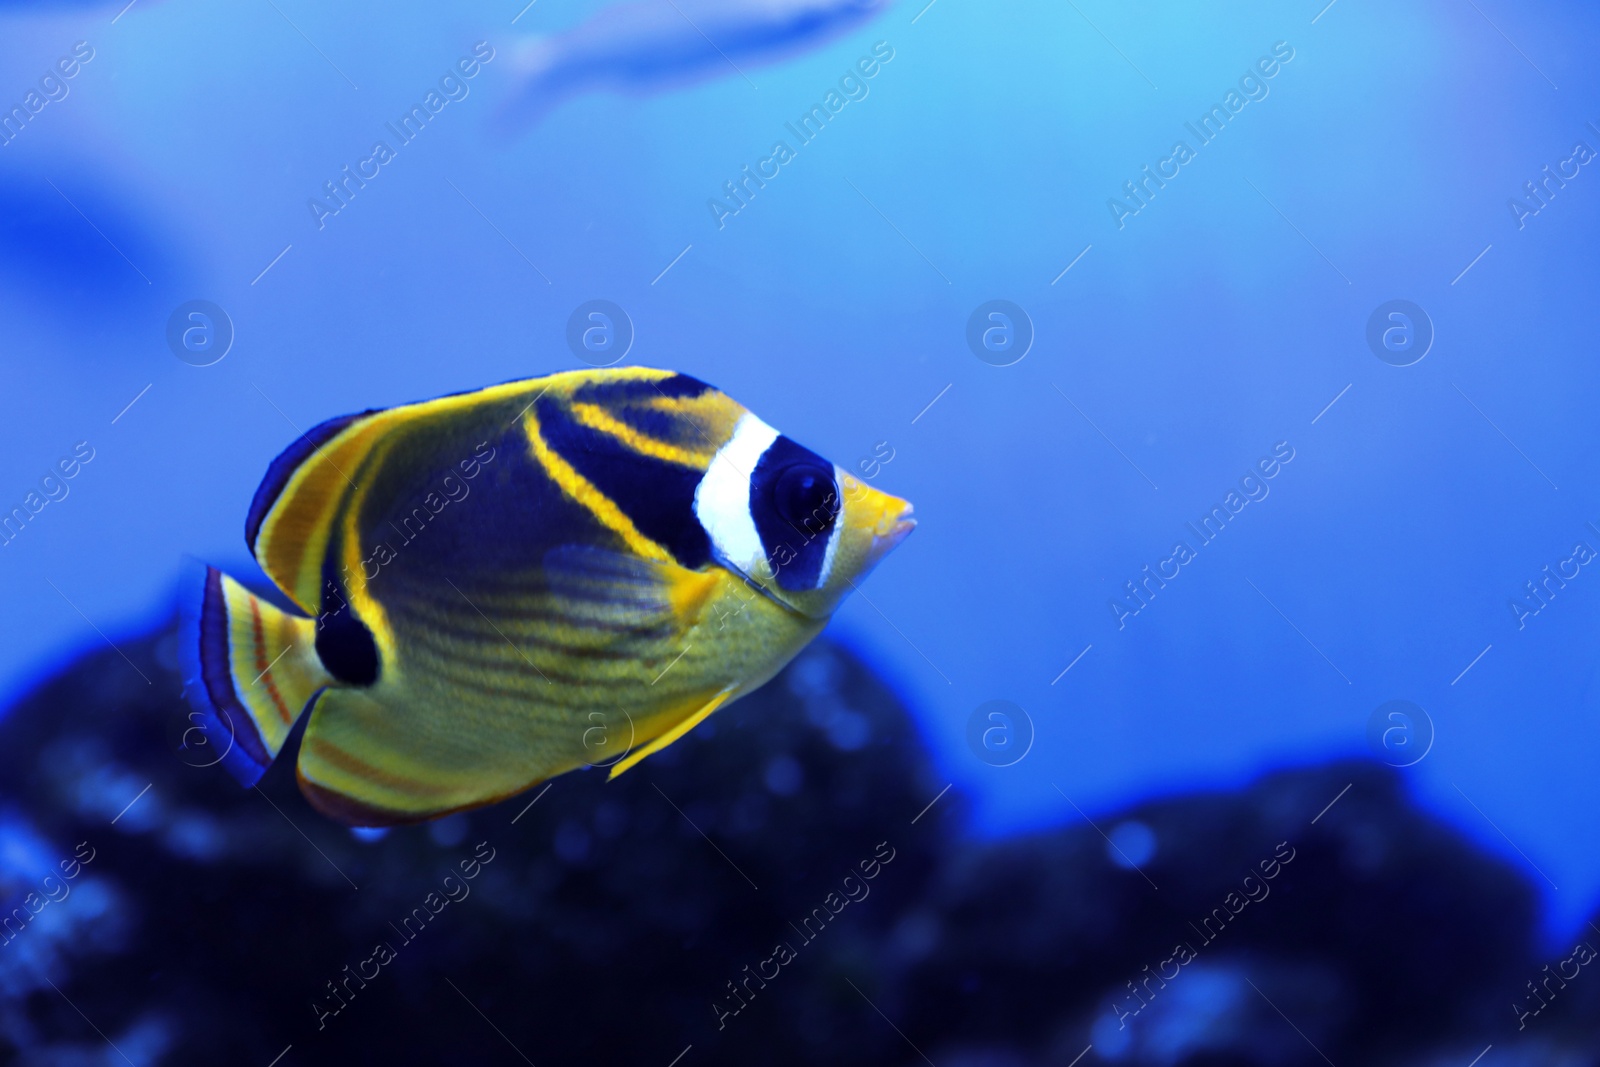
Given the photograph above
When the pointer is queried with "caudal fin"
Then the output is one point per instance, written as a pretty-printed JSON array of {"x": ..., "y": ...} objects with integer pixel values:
[{"x": 253, "y": 671}]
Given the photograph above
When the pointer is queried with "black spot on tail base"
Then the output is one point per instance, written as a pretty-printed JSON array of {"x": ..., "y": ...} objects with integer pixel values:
[{"x": 344, "y": 644}]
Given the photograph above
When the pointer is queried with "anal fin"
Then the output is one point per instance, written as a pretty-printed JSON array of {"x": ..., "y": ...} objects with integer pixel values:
[{"x": 677, "y": 730}]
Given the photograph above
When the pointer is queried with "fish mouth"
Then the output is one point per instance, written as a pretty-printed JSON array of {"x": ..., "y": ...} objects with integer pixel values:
[{"x": 890, "y": 532}]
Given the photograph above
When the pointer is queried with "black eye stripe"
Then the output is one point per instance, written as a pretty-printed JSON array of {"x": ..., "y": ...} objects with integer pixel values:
[
  {"x": 806, "y": 499},
  {"x": 793, "y": 520}
]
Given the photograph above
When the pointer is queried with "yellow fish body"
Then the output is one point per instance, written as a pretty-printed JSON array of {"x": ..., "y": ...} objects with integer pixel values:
[{"x": 504, "y": 585}]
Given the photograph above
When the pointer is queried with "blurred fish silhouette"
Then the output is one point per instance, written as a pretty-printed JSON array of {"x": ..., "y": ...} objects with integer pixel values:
[
  {"x": 504, "y": 585},
  {"x": 657, "y": 44},
  {"x": 52, "y": 258}
]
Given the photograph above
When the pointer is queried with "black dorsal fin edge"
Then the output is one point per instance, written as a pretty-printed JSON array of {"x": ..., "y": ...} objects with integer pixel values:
[{"x": 283, "y": 468}]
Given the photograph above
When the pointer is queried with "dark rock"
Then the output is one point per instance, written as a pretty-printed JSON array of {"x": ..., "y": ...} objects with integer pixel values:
[{"x": 609, "y": 920}]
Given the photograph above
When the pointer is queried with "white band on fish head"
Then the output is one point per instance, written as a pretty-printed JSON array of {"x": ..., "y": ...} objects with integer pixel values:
[
  {"x": 722, "y": 499},
  {"x": 833, "y": 542}
]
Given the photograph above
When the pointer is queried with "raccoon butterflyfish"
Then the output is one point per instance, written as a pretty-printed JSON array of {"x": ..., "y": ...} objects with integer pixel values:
[{"x": 501, "y": 586}]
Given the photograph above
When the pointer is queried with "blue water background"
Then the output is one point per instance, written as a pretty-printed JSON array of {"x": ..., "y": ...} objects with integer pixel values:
[{"x": 1220, "y": 320}]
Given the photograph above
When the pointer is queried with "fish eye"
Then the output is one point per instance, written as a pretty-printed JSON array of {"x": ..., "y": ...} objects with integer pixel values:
[{"x": 806, "y": 497}]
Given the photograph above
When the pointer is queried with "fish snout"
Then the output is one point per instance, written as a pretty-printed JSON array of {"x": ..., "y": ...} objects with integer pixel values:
[{"x": 894, "y": 526}]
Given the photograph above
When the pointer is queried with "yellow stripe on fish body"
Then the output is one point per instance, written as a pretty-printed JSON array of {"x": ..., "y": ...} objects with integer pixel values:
[
  {"x": 584, "y": 492},
  {"x": 518, "y": 581}
]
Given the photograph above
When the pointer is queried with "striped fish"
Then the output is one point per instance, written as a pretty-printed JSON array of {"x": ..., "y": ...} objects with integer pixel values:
[{"x": 500, "y": 586}]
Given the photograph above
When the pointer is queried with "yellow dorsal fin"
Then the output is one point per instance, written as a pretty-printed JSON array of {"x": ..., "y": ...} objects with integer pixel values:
[
  {"x": 298, "y": 501},
  {"x": 687, "y": 723}
]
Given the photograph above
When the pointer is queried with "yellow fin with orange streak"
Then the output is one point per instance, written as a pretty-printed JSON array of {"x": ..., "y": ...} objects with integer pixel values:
[{"x": 255, "y": 670}]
